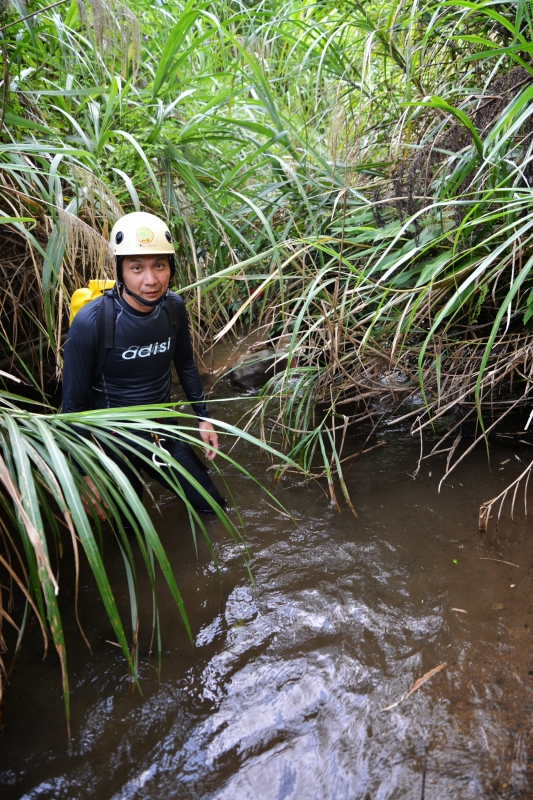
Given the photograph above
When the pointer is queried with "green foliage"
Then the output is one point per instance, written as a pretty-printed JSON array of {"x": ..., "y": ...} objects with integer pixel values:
[{"x": 39, "y": 476}]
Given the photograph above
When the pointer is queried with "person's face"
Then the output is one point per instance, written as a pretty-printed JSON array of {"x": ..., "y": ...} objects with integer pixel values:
[{"x": 147, "y": 276}]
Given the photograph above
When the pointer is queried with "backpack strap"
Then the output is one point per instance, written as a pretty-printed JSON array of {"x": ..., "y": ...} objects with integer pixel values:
[
  {"x": 172, "y": 312},
  {"x": 105, "y": 327}
]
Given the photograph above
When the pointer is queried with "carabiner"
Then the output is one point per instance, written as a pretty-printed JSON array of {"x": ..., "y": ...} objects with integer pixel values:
[{"x": 158, "y": 441}]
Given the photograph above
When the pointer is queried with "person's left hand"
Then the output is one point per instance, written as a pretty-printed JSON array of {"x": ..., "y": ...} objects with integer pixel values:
[{"x": 209, "y": 438}]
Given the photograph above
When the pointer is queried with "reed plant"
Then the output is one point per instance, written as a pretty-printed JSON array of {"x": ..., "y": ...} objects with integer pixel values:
[
  {"x": 43, "y": 496},
  {"x": 413, "y": 296}
]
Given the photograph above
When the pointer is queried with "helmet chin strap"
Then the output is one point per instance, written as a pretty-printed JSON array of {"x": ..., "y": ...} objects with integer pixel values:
[{"x": 149, "y": 303}]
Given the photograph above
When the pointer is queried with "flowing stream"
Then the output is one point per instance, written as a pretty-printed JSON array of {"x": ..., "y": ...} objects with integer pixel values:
[{"x": 283, "y": 696}]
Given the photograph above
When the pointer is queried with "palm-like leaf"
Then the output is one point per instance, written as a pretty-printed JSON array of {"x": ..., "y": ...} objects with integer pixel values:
[{"x": 38, "y": 469}]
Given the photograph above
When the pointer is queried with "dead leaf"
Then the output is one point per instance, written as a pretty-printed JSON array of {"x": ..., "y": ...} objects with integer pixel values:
[
  {"x": 33, "y": 535},
  {"x": 416, "y": 685},
  {"x": 12, "y": 377}
]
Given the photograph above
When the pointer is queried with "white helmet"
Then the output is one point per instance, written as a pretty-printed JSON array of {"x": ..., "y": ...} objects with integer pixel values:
[{"x": 140, "y": 233}]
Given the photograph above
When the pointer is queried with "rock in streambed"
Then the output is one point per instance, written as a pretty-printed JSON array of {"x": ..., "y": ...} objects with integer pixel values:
[{"x": 256, "y": 368}]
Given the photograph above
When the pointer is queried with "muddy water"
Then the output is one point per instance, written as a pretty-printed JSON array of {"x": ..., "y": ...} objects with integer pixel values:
[{"x": 283, "y": 696}]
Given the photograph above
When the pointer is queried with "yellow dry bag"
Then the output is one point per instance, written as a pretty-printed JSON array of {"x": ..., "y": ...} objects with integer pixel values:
[{"x": 81, "y": 297}]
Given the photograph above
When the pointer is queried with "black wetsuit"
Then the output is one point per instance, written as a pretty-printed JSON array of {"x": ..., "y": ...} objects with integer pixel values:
[{"x": 138, "y": 372}]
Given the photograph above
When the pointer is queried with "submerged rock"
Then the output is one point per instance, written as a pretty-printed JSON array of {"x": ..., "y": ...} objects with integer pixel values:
[
  {"x": 241, "y": 606},
  {"x": 255, "y": 369}
]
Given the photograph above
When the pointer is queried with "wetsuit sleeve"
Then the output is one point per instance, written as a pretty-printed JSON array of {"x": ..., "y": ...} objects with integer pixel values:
[
  {"x": 78, "y": 360},
  {"x": 186, "y": 365},
  {"x": 79, "y": 356}
]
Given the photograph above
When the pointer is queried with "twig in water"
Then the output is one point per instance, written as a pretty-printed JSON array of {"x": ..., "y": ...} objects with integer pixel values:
[
  {"x": 416, "y": 685},
  {"x": 278, "y": 511},
  {"x": 487, "y": 558},
  {"x": 417, "y": 470}
]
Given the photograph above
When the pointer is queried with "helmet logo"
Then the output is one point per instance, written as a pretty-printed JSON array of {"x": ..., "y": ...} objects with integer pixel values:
[{"x": 145, "y": 235}]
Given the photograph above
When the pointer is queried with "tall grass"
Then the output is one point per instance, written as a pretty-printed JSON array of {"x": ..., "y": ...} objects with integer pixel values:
[{"x": 415, "y": 288}]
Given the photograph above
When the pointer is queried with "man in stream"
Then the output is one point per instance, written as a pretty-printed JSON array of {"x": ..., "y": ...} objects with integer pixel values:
[{"x": 119, "y": 352}]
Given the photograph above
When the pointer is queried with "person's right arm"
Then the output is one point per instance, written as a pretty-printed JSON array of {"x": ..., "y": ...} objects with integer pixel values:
[{"x": 79, "y": 357}]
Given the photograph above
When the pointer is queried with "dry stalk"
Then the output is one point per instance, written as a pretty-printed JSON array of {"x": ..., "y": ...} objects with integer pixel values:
[{"x": 486, "y": 508}]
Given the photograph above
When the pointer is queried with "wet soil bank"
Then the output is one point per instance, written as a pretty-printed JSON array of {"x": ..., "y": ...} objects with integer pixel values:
[{"x": 283, "y": 696}]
